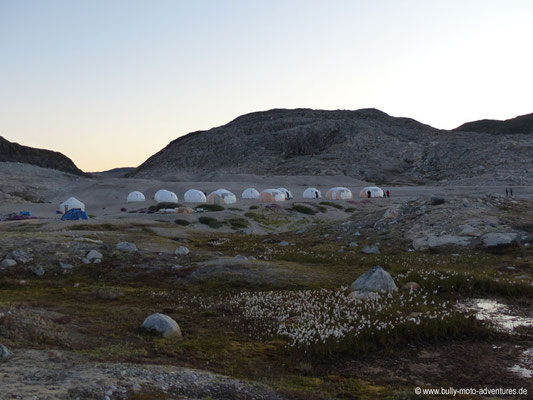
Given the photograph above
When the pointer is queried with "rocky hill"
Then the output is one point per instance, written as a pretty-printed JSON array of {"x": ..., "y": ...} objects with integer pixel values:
[
  {"x": 521, "y": 124},
  {"x": 365, "y": 144},
  {"x": 14, "y": 152}
]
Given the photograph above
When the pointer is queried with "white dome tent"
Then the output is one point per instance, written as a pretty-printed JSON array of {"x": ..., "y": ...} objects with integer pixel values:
[
  {"x": 272, "y": 195},
  {"x": 286, "y": 192},
  {"x": 194, "y": 196},
  {"x": 250, "y": 193},
  {"x": 312, "y": 193},
  {"x": 165, "y": 196},
  {"x": 339, "y": 193},
  {"x": 70, "y": 204},
  {"x": 135, "y": 196},
  {"x": 374, "y": 192},
  {"x": 221, "y": 196}
]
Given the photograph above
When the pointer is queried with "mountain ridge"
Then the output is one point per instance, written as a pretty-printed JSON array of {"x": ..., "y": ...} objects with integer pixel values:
[
  {"x": 14, "y": 152},
  {"x": 366, "y": 144}
]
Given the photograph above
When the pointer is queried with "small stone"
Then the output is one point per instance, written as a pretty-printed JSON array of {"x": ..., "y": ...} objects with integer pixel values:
[
  {"x": 353, "y": 244},
  {"x": 370, "y": 249},
  {"x": 76, "y": 285},
  {"x": 181, "y": 251},
  {"x": 239, "y": 257},
  {"x": 65, "y": 266},
  {"x": 8, "y": 262},
  {"x": 283, "y": 243},
  {"x": 93, "y": 255},
  {"x": 127, "y": 247},
  {"x": 411, "y": 286},
  {"x": 435, "y": 200},
  {"x": 85, "y": 261},
  {"x": 4, "y": 352},
  {"x": 97, "y": 261},
  {"x": 38, "y": 271}
]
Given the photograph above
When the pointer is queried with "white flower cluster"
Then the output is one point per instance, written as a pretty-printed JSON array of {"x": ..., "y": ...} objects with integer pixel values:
[{"x": 326, "y": 317}]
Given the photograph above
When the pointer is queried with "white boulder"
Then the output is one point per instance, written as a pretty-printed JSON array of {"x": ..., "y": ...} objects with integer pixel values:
[
  {"x": 162, "y": 324},
  {"x": 375, "y": 279}
]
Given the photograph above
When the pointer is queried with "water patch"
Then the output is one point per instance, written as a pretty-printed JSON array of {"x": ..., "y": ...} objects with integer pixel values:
[
  {"x": 524, "y": 368},
  {"x": 503, "y": 318}
]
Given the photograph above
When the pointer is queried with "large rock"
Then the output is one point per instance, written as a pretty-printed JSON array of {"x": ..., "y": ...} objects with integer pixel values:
[
  {"x": 126, "y": 246},
  {"x": 8, "y": 262},
  {"x": 20, "y": 256},
  {"x": 498, "y": 239},
  {"x": 162, "y": 324},
  {"x": 374, "y": 280},
  {"x": 38, "y": 270},
  {"x": 370, "y": 249},
  {"x": 94, "y": 255},
  {"x": 447, "y": 240},
  {"x": 181, "y": 251},
  {"x": 4, "y": 352}
]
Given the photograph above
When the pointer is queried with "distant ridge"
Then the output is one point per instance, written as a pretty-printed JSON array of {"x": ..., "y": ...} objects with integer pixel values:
[
  {"x": 365, "y": 144},
  {"x": 520, "y": 124},
  {"x": 14, "y": 152}
]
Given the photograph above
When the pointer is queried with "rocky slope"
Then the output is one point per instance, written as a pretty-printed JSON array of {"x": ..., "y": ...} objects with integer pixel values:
[
  {"x": 14, "y": 152},
  {"x": 365, "y": 144},
  {"x": 520, "y": 124}
]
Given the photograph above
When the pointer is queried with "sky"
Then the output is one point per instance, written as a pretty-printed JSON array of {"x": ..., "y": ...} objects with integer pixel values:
[{"x": 110, "y": 82}]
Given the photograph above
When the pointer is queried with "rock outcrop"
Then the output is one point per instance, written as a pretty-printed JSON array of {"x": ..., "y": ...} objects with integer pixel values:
[
  {"x": 14, "y": 152},
  {"x": 365, "y": 144}
]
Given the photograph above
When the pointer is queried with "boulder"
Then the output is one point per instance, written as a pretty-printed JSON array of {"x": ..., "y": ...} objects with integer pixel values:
[
  {"x": 162, "y": 324},
  {"x": 353, "y": 244},
  {"x": 4, "y": 352},
  {"x": 436, "y": 200},
  {"x": 65, "y": 266},
  {"x": 498, "y": 239},
  {"x": 94, "y": 255},
  {"x": 411, "y": 286},
  {"x": 370, "y": 249},
  {"x": 20, "y": 256},
  {"x": 38, "y": 270},
  {"x": 283, "y": 243},
  {"x": 126, "y": 246},
  {"x": 434, "y": 241},
  {"x": 8, "y": 262},
  {"x": 374, "y": 280},
  {"x": 240, "y": 257},
  {"x": 364, "y": 296},
  {"x": 181, "y": 251}
]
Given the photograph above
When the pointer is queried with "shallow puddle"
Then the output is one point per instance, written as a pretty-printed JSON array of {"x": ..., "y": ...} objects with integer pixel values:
[
  {"x": 506, "y": 320},
  {"x": 499, "y": 314}
]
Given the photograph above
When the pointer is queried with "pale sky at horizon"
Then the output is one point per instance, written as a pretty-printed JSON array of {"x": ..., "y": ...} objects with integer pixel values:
[{"x": 109, "y": 83}]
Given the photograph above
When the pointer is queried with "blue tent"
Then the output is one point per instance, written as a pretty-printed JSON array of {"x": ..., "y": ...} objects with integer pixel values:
[{"x": 74, "y": 214}]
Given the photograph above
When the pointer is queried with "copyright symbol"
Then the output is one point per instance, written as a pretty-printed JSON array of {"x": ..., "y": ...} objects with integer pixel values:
[{"x": 418, "y": 390}]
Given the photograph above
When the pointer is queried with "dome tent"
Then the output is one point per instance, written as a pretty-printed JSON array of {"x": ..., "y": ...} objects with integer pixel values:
[
  {"x": 135, "y": 196},
  {"x": 374, "y": 192},
  {"x": 165, "y": 196},
  {"x": 74, "y": 214},
  {"x": 286, "y": 192},
  {"x": 221, "y": 196},
  {"x": 339, "y": 193},
  {"x": 271, "y": 196},
  {"x": 312, "y": 193},
  {"x": 71, "y": 204},
  {"x": 194, "y": 196},
  {"x": 250, "y": 193}
]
